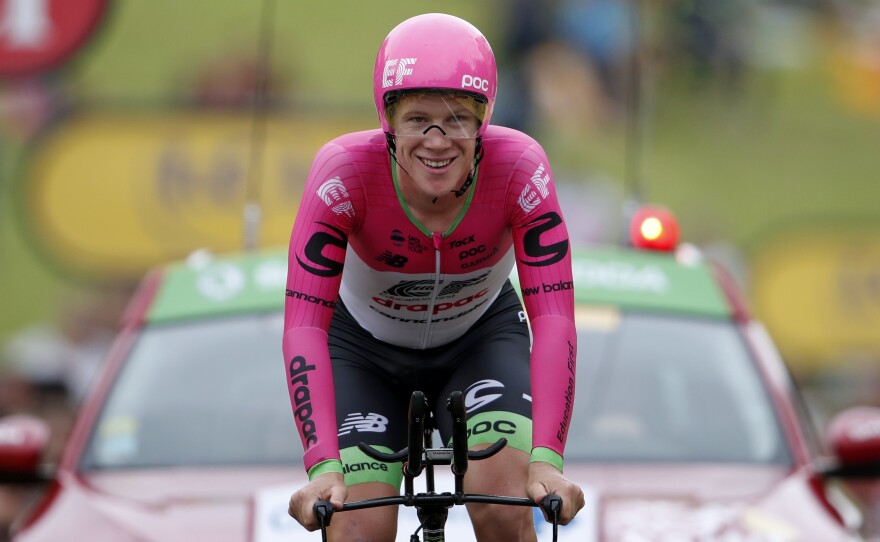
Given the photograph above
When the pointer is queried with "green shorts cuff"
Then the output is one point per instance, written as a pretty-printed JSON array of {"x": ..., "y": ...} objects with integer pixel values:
[
  {"x": 330, "y": 465},
  {"x": 547, "y": 456}
]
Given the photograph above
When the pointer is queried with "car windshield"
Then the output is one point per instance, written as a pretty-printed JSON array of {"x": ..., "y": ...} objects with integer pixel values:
[
  {"x": 209, "y": 392},
  {"x": 653, "y": 387},
  {"x": 650, "y": 388}
]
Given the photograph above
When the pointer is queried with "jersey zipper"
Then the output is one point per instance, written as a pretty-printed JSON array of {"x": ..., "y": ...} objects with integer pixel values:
[{"x": 437, "y": 239}]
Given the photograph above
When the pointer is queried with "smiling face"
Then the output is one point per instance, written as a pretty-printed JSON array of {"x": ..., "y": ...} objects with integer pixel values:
[{"x": 436, "y": 141}]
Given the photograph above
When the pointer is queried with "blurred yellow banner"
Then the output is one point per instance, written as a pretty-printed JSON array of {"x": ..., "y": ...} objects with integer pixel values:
[
  {"x": 818, "y": 291},
  {"x": 107, "y": 196}
]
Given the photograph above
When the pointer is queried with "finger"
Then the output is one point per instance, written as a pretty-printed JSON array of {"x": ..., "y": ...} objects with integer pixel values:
[
  {"x": 338, "y": 494},
  {"x": 572, "y": 504},
  {"x": 537, "y": 492},
  {"x": 301, "y": 510},
  {"x": 567, "y": 513}
]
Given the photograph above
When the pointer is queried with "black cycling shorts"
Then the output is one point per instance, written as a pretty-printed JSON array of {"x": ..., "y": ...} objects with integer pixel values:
[{"x": 374, "y": 382}]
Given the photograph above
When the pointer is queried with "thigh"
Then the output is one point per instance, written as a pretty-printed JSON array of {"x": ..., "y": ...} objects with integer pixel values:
[
  {"x": 370, "y": 408},
  {"x": 369, "y": 523},
  {"x": 505, "y": 473},
  {"x": 494, "y": 378}
]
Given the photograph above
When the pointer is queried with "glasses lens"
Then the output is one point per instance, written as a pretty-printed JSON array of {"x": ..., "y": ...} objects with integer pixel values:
[{"x": 457, "y": 116}]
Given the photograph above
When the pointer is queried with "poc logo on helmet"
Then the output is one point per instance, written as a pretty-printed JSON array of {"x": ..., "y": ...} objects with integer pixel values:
[
  {"x": 395, "y": 70},
  {"x": 469, "y": 81}
]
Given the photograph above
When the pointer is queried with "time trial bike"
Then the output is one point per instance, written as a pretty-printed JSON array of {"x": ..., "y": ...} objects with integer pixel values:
[{"x": 420, "y": 457}]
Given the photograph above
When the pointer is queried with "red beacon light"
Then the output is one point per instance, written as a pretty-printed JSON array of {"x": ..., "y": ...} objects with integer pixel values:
[{"x": 654, "y": 228}]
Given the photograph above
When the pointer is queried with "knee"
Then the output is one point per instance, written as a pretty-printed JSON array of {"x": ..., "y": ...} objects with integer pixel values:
[
  {"x": 499, "y": 522},
  {"x": 363, "y": 526}
]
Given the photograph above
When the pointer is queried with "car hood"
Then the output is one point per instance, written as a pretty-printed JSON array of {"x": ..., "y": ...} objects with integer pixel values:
[
  {"x": 623, "y": 503},
  {"x": 627, "y": 502},
  {"x": 173, "y": 505}
]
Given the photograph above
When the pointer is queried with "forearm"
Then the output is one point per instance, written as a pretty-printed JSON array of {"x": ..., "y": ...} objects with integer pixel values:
[
  {"x": 553, "y": 368},
  {"x": 310, "y": 385}
]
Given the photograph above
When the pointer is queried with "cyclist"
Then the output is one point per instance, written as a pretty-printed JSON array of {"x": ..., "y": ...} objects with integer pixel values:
[{"x": 398, "y": 280}]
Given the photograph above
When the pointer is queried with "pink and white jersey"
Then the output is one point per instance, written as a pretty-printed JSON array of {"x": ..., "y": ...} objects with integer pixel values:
[{"x": 354, "y": 239}]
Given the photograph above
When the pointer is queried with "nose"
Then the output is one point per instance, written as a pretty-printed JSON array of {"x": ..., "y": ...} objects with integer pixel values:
[
  {"x": 436, "y": 137},
  {"x": 439, "y": 129}
]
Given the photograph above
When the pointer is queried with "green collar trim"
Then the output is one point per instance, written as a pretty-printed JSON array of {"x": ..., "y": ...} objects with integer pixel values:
[{"x": 415, "y": 221}]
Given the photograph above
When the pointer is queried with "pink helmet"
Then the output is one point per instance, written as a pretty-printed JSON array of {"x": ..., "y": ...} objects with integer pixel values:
[{"x": 435, "y": 51}]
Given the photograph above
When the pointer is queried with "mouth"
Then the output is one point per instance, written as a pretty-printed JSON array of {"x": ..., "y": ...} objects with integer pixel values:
[{"x": 436, "y": 164}]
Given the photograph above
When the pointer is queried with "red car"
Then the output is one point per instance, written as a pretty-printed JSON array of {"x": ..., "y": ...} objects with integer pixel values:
[{"x": 687, "y": 426}]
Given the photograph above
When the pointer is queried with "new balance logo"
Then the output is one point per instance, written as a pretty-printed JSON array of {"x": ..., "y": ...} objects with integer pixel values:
[
  {"x": 392, "y": 260},
  {"x": 371, "y": 423},
  {"x": 395, "y": 70}
]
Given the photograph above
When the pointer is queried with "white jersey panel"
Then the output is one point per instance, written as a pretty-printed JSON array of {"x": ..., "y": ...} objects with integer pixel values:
[{"x": 419, "y": 310}]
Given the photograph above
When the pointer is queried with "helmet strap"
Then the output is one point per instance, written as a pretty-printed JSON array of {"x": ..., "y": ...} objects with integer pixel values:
[
  {"x": 391, "y": 145},
  {"x": 478, "y": 155}
]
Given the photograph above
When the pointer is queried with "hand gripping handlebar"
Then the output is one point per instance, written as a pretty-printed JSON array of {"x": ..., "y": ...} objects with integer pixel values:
[{"x": 432, "y": 507}]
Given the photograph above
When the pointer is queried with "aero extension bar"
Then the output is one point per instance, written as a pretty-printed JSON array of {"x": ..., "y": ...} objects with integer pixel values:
[{"x": 418, "y": 457}]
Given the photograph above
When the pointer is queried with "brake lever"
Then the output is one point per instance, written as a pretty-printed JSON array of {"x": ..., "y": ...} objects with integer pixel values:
[
  {"x": 551, "y": 505},
  {"x": 324, "y": 513}
]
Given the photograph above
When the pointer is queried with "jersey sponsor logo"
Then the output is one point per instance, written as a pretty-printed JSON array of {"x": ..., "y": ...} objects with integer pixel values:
[
  {"x": 334, "y": 194},
  {"x": 425, "y": 320},
  {"x": 543, "y": 254},
  {"x": 364, "y": 465},
  {"x": 535, "y": 192},
  {"x": 456, "y": 286},
  {"x": 413, "y": 289},
  {"x": 314, "y": 252},
  {"x": 569, "y": 397},
  {"x": 474, "y": 398},
  {"x": 392, "y": 260},
  {"x": 413, "y": 243},
  {"x": 416, "y": 245},
  {"x": 482, "y": 259},
  {"x": 423, "y": 307},
  {"x": 456, "y": 243},
  {"x": 499, "y": 426},
  {"x": 410, "y": 289},
  {"x": 396, "y": 69},
  {"x": 302, "y": 399},
  {"x": 369, "y": 423},
  {"x": 471, "y": 252},
  {"x": 311, "y": 299},
  {"x": 560, "y": 286}
]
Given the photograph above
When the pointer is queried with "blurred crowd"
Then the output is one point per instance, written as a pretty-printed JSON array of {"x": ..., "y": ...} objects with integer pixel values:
[
  {"x": 578, "y": 62},
  {"x": 49, "y": 366}
]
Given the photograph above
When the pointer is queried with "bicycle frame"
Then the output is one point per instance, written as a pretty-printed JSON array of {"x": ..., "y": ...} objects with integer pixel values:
[{"x": 418, "y": 457}]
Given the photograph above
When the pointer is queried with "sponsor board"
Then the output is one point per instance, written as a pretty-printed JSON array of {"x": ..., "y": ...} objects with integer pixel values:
[
  {"x": 818, "y": 292},
  {"x": 106, "y": 196}
]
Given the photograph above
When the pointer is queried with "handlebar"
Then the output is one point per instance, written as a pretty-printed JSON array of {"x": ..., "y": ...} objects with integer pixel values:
[
  {"x": 417, "y": 458},
  {"x": 551, "y": 505}
]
